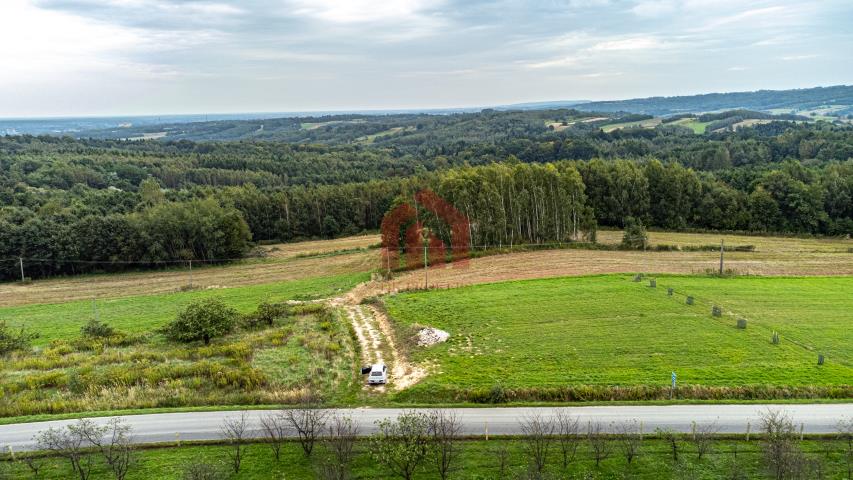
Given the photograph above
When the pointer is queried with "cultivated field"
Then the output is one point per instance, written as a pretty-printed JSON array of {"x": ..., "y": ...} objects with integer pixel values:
[
  {"x": 650, "y": 123},
  {"x": 295, "y": 261},
  {"x": 284, "y": 262},
  {"x": 772, "y": 256},
  {"x": 604, "y": 337}
]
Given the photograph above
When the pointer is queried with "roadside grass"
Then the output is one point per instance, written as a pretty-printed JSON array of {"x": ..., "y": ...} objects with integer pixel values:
[
  {"x": 143, "y": 313},
  {"x": 606, "y": 337},
  {"x": 477, "y": 459}
]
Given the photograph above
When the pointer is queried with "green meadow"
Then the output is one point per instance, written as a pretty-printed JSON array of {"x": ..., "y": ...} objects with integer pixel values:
[
  {"x": 147, "y": 312},
  {"x": 608, "y": 337}
]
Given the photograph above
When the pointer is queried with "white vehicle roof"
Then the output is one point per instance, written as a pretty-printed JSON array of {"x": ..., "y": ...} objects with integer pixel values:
[{"x": 377, "y": 366}]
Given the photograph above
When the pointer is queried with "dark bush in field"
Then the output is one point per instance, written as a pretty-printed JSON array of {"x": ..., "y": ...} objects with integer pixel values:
[
  {"x": 265, "y": 315},
  {"x": 11, "y": 340},
  {"x": 202, "y": 320},
  {"x": 96, "y": 329}
]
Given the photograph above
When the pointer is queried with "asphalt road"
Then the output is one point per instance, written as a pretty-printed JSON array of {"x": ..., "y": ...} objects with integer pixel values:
[{"x": 167, "y": 427}]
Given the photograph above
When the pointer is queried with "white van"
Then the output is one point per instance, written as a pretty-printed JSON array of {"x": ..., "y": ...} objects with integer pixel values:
[{"x": 378, "y": 374}]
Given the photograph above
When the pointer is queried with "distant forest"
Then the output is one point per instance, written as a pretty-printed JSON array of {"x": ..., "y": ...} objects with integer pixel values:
[
  {"x": 798, "y": 99},
  {"x": 73, "y": 206}
]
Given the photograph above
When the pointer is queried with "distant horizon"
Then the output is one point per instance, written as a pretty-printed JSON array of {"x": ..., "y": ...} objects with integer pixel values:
[
  {"x": 75, "y": 58},
  {"x": 379, "y": 111}
]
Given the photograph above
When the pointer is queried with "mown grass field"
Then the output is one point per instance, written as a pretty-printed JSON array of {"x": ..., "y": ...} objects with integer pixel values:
[
  {"x": 477, "y": 460},
  {"x": 607, "y": 337},
  {"x": 141, "y": 313},
  {"x": 281, "y": 262}
]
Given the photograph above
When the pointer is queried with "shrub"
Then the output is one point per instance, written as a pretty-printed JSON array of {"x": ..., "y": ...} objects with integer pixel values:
[
  {"x": 97, "y": 329},
  {"x": 635, "y": 237},
  {"x": 202, "y": 320},
  {"x": 265, "y": 315},
  {"x": 11, "y": 340},
  {"x": 497, "y": 394}
]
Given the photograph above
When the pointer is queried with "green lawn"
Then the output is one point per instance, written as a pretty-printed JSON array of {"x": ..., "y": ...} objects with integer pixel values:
[
  {"x": 147, "y": 312},
  {"x": 477, "y": 460},
  {"x": 606, "y": 337}
]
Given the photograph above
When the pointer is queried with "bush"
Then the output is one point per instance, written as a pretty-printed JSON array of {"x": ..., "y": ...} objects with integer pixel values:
[
  {"x": 202, "y": 320},
  {"x": 635, "y": 237},
  {"x": 11, "y": 340},
  {"x": 265, "y": 315},
  {"x": 97, "y": 329}
]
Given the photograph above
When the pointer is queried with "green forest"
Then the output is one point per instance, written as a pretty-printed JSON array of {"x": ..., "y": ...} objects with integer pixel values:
[{"x": 72, "y": 206}]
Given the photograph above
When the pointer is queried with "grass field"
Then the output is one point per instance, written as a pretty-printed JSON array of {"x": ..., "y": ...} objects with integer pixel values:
[
  {"x": 140, "y": 369},
  {"x": 56, "y": 321},
  {"x": 650, "y": 123},
  {"x": 477, "y": 460},
  {"x": 603, "y": 337},
  {"x": 692, "y": 123}
]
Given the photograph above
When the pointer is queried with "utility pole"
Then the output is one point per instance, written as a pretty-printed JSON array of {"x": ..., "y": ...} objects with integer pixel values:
[
  {"x": 388, "y": 261},
  {"x": 426, "y": 260},
  {"x": 722, "y": 249},
  {"x": 191, "y": 274},
  {"x": 21, "y": 259}
]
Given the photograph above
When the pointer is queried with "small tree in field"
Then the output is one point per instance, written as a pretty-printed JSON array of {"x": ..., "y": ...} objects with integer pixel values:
[
  {"x": 11, "y": 340},
  {"x": 401, "y": 445},
  {"x": 235, "y": 430},
  {"x": 635, "y": 237},
  {"x": 538, "y": 434},
  {"x": 307, "y": 421},
  {"x": 202, "y": 320}
]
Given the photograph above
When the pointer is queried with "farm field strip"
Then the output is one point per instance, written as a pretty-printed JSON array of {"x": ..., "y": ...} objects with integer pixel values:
[
  {"x": 143, "y": 313},
  {"x": 294, "y": 261},
  {"x": 607, "y": 331},
  {"x": 284, "y": 265},
  {"x": 815, "y": 312}
]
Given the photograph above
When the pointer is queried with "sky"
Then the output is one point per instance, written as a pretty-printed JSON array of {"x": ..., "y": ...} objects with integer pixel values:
[{"x": 139, "y": 57}]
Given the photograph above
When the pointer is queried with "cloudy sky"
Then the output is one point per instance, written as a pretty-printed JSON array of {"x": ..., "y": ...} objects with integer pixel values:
[{"x": 102, "y": 57}]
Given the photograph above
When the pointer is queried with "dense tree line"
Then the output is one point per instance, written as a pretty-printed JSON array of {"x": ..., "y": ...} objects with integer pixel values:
[
  {"x": 60, "y": 243},
  {"x": 65, "y": 202}
]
